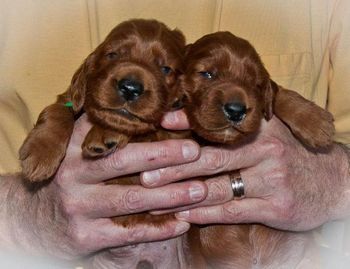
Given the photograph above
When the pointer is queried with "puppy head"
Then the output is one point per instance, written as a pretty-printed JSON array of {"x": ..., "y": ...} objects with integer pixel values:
[
  {"x": 127, "y": 83},
  {"x": 227, "y": 88}
]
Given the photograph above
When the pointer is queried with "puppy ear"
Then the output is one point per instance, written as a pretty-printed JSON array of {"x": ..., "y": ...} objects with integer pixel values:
[
  {"x": 187, "y": 49},
  {"x": 269, "y": 95},
  {"x": 77, "y": 90},
  {"x": 179, "y": 37},
  {"x": 308, "y": 122}
]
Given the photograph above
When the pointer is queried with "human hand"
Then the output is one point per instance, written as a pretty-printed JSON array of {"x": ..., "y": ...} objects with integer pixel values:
[
  {"x": 286, "y": 185},
  {"x": 78, "y": 205}
]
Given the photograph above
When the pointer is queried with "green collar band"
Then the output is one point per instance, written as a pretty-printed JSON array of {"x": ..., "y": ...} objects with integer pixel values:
[{"x": 68, "y": 104}]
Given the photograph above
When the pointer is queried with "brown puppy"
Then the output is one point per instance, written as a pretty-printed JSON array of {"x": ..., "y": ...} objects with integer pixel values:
[
  {"x": 228, "y": 93},
  {"x": 125, "y": 86}
]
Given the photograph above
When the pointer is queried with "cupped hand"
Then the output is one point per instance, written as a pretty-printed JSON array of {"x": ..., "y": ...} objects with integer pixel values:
[
  {"x": 82, "y": 204},
  {"x": 287, "y": 186}
]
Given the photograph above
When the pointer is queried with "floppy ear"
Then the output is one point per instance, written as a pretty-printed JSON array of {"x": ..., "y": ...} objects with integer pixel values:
[
  {"x": 77, "y": 90},
  {"x": 310, "y": 123},
  {"x": 179, "y": 37},
  {"x": 187, "y": 49},
  {"x": 269, "y": 93}
]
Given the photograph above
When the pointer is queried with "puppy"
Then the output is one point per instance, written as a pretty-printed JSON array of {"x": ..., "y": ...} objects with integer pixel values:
[
  {"x": 125, "y": 86},
  {"x": 228, "y": 93}
]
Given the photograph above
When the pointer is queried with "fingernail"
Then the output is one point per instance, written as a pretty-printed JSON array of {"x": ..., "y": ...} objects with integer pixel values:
[
  {"x": 189, "y": 150},
  {"x": 151, "y": 177},
  {"x": 196, "y": 193},
  {"x": 183, "y": 215},
  {"x": 182, "y": 227}
]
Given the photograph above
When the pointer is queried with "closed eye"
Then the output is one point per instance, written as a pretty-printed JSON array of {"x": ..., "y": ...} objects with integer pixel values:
[
  {"x": 111, "y": 55},
  {"x": 206, "y": 74},
  {"x": 166, "y": 70}
]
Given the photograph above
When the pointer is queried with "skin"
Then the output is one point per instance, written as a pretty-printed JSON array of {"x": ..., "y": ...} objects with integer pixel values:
[
  {"x": 286, "y": 185},
  {"x": 68, "y": 217}
]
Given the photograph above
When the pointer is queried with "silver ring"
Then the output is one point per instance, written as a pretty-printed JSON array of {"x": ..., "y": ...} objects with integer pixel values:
[{"x": 237, "y": 186}]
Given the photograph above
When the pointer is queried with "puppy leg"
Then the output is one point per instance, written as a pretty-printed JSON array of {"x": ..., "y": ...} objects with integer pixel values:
[
  {"x": 45, "y": 146},
  {"x": 100, "y": 142},
  {"x": 307, "y": 121}
]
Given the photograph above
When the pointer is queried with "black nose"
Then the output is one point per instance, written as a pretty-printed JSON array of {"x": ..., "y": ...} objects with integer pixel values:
[
  {"x": 235, "y": 111},
  {"x": 130, "y": 89}
]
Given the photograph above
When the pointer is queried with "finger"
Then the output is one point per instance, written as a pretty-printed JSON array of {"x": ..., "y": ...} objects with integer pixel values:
[
  {"x": 257, "y": 183},
  {"x": 81, "y": 128},
  {"x": 248, "y": 210},
  {"x": 212, "y": 161},
  {"x": 262, "y": 181},
  {"x": 122, "y": 199},
  {"x": 136, "y": 157},
  {"x": 176, "y": 120},
  {"x": 219, "y": 192},
  {"x": 104, "y": 233}
]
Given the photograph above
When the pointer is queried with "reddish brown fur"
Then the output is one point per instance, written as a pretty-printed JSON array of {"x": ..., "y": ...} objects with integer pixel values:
[
  {"x": 137, "y": 50},
  {"x": 238, "y": 75}
]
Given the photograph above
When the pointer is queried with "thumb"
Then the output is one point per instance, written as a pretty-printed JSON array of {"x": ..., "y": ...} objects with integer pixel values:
[{"x": 176, "y": 120}]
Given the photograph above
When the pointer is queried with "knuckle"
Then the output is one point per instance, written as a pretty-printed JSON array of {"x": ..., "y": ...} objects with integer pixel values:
[
  {"x": 274, "y": 147},
  {"x": 202, "y": 216},
  {"x": 135, "y": 235},
  {"x": 81, "y": 238},
  {"x": 215, "y": 160},
  {"x": 176, "y": 197},
  {"x": 132, "y": 200},
  {"x": 114, "y": 162},
  {"x": 232, "y": 213},
  {"x": 278, "y": 179},
  {"x": 285, "y": 207},
  {"x": 70, "y": 207},
  {"x": 218, "y": 192},
  {"x": 163, "y": 151},
  {"x": 64, "y": 175}
]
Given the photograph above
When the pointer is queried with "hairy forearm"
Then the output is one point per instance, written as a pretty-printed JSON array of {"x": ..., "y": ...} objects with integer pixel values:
[
  {"x": 28, "y": 219},
  {"x": 342, "y": 184}
]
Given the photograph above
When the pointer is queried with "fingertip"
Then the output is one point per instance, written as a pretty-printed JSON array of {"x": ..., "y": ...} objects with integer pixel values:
[
  {"x": 176, "y": 120},
  {"x": 183, "y": 215},
  {"x": 150, "y": 179},
  {"x": 182, "y": 227}
]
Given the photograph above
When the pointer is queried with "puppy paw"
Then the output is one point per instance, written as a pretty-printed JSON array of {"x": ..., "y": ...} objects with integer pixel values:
[
  {"x": 45, "y": 146},
  {"x": 40, "y": 157},
  {"x": 101, "y": 142}
]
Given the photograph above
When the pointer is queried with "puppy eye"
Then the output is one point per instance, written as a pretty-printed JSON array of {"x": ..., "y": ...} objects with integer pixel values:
[
  {"x": 166, "y": 70},
  {"x": 112, "y": 56},
  {"x": 206, "y": 74}
]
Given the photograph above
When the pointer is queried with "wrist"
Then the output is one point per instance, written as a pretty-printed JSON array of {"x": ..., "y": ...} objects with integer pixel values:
[
  {"x": 342, "y": 206},
  {"x": 30, "y": 221}
]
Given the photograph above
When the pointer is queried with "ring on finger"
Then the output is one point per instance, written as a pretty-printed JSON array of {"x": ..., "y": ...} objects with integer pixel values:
[{"x": 237, "y": 185}]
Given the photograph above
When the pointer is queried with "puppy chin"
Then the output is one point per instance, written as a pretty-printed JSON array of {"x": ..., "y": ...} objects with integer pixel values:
[{"x": 227, "y": 136}]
